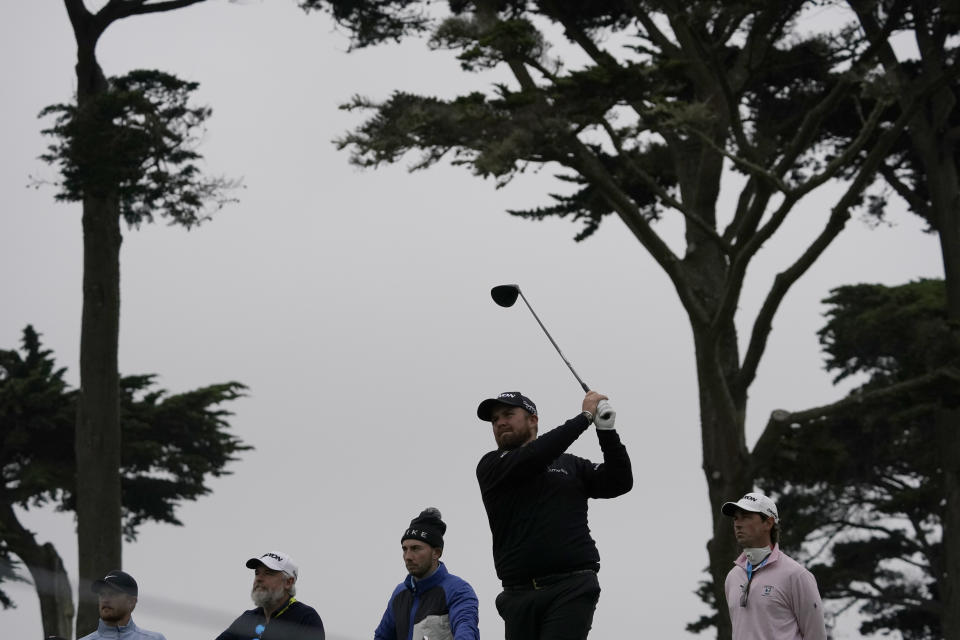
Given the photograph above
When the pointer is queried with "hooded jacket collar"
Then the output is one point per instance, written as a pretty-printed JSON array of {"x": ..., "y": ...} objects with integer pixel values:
[{"x": 426, "y": 583}]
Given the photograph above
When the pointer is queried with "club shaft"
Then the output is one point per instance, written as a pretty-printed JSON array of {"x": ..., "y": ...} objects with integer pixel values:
[{"x": 553, "y": 342}]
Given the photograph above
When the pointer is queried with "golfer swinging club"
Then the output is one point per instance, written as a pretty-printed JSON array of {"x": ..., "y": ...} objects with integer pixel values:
[{"x": 536, "y": 501}]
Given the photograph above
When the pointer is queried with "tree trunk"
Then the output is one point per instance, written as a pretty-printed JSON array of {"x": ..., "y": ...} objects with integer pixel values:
[
  {"x": 98, "y": 405},
  {"x": 50, "y": 578},
  {"x": 725, "y": 462},
  {"x": 948, "y": 580},
  {"x": 937, "y": 152},
  {"x": 945, "y": 192},
  {"x": 98, "y": 414},
  {"x": 706, "y": 274}
]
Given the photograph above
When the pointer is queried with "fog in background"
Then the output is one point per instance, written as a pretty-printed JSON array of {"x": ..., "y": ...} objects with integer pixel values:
[{"x": 355, "y": 305}]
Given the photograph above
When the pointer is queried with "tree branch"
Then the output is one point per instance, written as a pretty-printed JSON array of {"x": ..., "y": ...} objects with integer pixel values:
[
  {"x": 844, "y": 159},
  {"x": 710, "y": 61},
  {"x": 780, "y": 420},
  {"x": 119, "y": 9},
  {"x": 915, "y": 203},
  {"x": 835, "y": 223},
  {"x": 747, "y": 165},
  {"x": 662, "y": 193},
  {"x": 78, "y": 13},
  {"x": 655, "y": 35},
  {"x": 594, "y": 170}
]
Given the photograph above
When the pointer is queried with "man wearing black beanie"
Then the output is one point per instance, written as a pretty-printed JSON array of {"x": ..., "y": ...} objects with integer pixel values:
[{"x": 431, "y": 602}]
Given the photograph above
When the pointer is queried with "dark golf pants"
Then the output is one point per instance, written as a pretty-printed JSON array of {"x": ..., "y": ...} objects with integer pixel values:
[{"x": 560, "y": 611}]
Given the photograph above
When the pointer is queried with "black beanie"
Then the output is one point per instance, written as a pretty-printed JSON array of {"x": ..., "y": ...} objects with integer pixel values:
[{"x": 427, "y": 527}]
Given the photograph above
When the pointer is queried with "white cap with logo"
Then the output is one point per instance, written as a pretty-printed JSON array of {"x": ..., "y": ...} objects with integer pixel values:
[
  {"x": 755, "y": 502},
  {"x": 276, "y": 560}
]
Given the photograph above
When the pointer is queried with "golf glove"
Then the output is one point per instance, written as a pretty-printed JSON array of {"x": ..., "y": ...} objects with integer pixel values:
[{"x": 606, "y": 416}]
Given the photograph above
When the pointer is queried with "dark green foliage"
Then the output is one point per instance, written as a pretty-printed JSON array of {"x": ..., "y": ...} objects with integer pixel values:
[
  {"x": 863, "y": 485},
  {"x": 37, "y": 413},
  {"x": 707, "y": 595},
  {"x": 136, "y": 142},
  {"x": 889, "y": 333},
  {"x": 8, "y": 571},
  {"x": 373, "y": 21},
  {"x": 172, "y": 443},
  {"x": 642, "y": 103},
  {"x": 486, "y": 48}
]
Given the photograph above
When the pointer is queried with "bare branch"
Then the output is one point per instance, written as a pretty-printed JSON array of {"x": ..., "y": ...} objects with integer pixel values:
[
  {"x": 119, "y": 9},
  {"x": 738, "y": 266},
  {"x": 691, "y": 42},
  {"x": 656, "y": 36},
  {"x": 593, "y": 169},
  {"x": 835, "y": 223},
  {"x": 747, "y": 165},
  {"x": 845, "y": 158},
  {"x": 662, "y": 193},
  {"x": 916, "y": 203}
]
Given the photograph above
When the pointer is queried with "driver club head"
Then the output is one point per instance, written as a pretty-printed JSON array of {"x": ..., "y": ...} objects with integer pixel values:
[{"x": 505, "y": 294}]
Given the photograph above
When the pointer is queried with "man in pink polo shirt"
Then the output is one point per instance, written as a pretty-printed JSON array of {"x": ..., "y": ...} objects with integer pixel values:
[{"x": 769, "y": 595}]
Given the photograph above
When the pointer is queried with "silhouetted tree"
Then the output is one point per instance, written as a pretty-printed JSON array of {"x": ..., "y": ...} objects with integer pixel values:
[
  {"x": 172, "y": 445},
  {"x": 860, "y": 482},
  {"x": 164, "y": 181},
  {"x": 925, "y": 171}
]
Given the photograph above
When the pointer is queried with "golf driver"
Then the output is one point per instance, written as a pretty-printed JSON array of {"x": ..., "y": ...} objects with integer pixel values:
[{"x": 506, "y": 295}]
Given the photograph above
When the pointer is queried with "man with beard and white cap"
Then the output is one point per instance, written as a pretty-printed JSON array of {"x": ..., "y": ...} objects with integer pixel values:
[
  {"x": 279, "y": 615},
  {"x": 770, "y": 596},
  {"x": 117, "y": 594}
]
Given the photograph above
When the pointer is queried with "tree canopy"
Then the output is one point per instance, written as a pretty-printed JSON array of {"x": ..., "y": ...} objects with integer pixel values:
[
  {"x": 172, "y": 446},
  {"x": 137, "y": 140},
  {"x": 863, "y": 482}
]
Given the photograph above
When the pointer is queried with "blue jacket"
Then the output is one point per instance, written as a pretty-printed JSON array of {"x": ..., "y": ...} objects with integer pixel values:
[
  {"x": 441, "y": 607},
  {"x": 129, "y": 632}
]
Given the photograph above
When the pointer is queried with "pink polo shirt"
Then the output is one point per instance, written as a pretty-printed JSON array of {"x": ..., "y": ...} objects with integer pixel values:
[{"x": 783, "y": 603}]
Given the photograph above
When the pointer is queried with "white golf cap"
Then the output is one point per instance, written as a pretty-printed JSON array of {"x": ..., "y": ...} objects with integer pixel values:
[
  {"x": 276, "y": 560},
  {"x": 756, "y": 502}
]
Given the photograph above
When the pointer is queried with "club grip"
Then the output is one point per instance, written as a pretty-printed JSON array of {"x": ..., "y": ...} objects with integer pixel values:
[{"x": 606, "y": 414}]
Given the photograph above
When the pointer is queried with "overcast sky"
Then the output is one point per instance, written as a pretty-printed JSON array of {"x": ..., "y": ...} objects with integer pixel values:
[{"x": 355, "y": 305}]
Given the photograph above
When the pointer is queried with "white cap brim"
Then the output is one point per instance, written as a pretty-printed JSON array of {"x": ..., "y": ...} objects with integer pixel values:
[{"x": 743, "y": 504}]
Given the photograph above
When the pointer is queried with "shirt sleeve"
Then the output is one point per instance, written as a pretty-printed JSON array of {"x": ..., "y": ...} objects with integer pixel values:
[
  {"x": 386, "y": 630},
  {"x": 614, "y": 477},
  {"x": 230, "y": 633},
  {"x": 499, "y": 466},
  {"x": 809, "y": 608},
  {"x": 463, "y": 608},
  {"x": 314, "y": 626}
]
